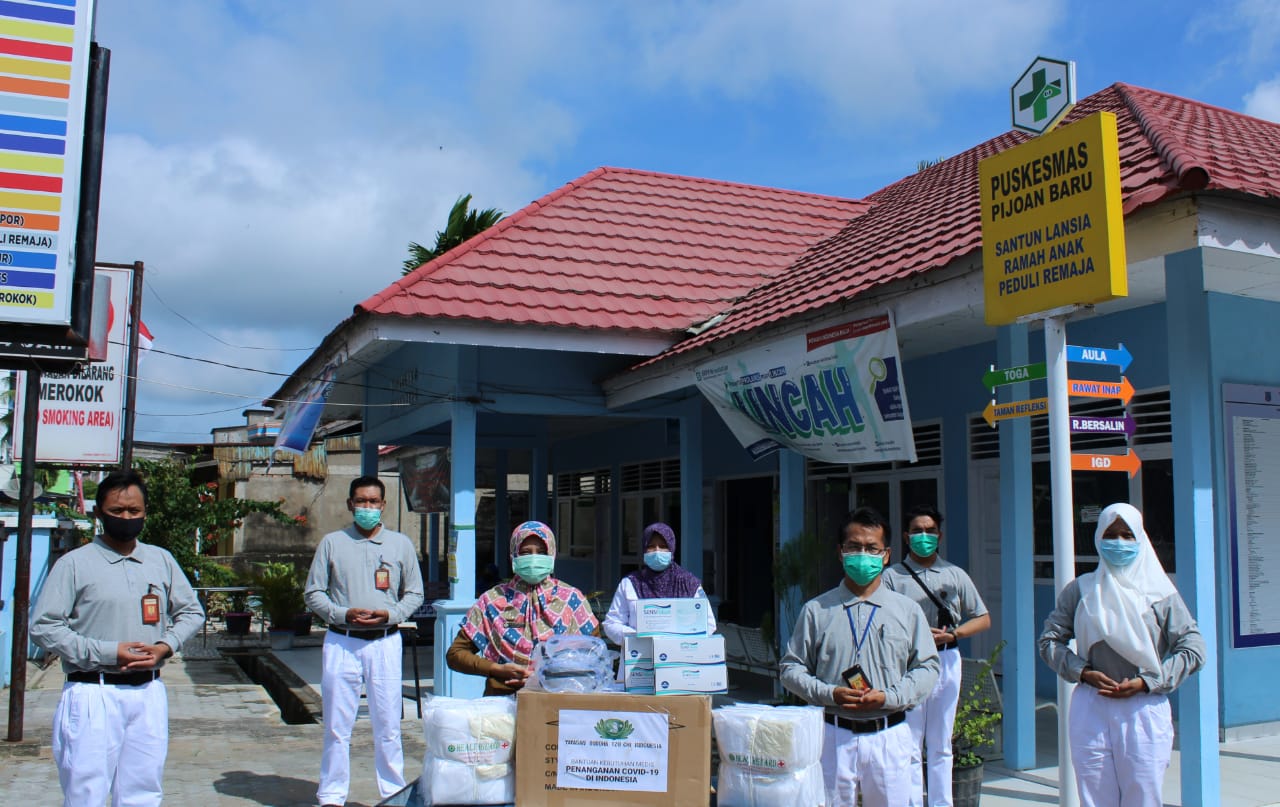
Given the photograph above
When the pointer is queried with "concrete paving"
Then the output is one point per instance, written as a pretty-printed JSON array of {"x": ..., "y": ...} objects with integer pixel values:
[{"x": 230, "y": 746}]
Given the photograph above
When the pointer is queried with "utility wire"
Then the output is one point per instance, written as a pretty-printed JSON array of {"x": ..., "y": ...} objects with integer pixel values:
[{"x": 184, "y": 318}]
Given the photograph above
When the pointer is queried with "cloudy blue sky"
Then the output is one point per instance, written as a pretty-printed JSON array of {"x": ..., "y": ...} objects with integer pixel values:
[{"x": 270, "y": 160}]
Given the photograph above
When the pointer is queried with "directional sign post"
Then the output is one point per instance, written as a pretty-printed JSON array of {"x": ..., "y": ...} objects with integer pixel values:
[
  {"x": 1107, "y": 462},
  {"x": 1014, "y": 409},
  {"x": 1121, "y": 389},
  {"x": 1087, "y": 425},
  {"x": 1100, "y": 355},
  {"x": 1013, "y": 375}
]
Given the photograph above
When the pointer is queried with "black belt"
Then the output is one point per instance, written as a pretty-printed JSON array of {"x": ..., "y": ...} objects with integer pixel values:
[
  {"x": 132, "y": 679},
  {"x": 372, "y": 633},
  {"x": 864, "y": 726},
  {"x": 949, "y": 646}
]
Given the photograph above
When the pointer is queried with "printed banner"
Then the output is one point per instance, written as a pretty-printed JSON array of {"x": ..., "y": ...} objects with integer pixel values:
[
  {"x": 81, "y": 409},
  {"x": 613, "y": 750},
  {"x": 302, "y": 416},
  {"x": 834, "y": 395}
]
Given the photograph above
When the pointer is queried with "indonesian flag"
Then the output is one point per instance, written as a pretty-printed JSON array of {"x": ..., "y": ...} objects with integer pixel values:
[{"x": 145, "y": 340}]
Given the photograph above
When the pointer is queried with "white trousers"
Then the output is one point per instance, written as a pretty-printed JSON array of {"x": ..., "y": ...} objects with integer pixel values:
[
  {"x": 347, "y": 663},
  {"x": 931, "y": 723},
  {"x": 874, "y": 765},
  {"x": 1120, "y": 748},
  {"x": 113, "y": 739}
]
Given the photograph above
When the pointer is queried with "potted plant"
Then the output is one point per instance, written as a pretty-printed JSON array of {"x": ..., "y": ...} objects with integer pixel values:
[
  {"x": 238, "y": 616},
  {"x": 276, "y": 584},
  {"x": 974, "y": 733}
]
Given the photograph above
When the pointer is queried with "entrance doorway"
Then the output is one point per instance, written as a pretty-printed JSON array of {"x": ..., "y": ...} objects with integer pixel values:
[{"x": 748, "y": 559}]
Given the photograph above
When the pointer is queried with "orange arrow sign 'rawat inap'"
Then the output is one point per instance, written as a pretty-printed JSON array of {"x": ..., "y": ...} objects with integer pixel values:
[
  {"x": 1101, "y": 389},
  {"x": 1107, "y": 462}
]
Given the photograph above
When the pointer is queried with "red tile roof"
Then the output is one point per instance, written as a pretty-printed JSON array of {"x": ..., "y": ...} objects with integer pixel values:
[
  {"x": 620, "y": 249},
  {"x": 1168, "y": 146}
]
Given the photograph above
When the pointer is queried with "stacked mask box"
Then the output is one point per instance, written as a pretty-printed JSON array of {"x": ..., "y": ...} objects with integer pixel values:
[{"x": 672, "y": 653}]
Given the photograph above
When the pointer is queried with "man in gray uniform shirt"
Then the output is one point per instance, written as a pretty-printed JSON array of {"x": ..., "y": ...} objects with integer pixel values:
[
  {"x": 113, "y": 611},
  {"x": 955, "y": 611},
  {"x": 364, "y": 581},
  {"x": 865, "y": 653}
]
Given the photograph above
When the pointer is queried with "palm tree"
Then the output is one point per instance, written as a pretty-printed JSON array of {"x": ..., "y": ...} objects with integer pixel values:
[{"x": 462, "y": 225}]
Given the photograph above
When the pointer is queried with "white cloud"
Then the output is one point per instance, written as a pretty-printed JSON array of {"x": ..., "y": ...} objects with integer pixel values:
[
  {"x": 877, "y": 62},
  {"x": 270, "y": 162},
  {"x": 1264, "y": 100}
]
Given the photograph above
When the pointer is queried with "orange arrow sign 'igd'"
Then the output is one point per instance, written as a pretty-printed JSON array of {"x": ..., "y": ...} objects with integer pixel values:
[{"x": 1107, "y": 462}]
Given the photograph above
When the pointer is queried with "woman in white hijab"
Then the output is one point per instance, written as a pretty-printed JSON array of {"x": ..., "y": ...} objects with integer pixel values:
[{"x": 1135, "y": 643}]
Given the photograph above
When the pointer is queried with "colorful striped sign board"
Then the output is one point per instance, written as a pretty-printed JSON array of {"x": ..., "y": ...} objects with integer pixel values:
[{"x": 44, "y": 67}]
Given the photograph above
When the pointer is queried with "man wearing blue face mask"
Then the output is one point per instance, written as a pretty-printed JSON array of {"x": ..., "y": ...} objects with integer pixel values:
[
  {"x": 864, "y": 652},
  {"x": 955, "y": 611},
  {"x": 364, "y": 581},
  {"x": 1135, "y": 643},
  {"x": 660, "y": 578}
]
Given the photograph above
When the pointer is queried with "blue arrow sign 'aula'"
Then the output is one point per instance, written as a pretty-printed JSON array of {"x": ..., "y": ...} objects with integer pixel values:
[{"x": 1100, "y": 355}]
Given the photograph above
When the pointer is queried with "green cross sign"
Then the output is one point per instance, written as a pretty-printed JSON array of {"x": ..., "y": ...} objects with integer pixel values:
[
  {"x": 1039, "y": 96},
  {"x": 1043, "y": 95}
]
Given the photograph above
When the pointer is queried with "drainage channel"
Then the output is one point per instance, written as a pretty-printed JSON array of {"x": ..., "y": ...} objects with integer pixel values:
[{"x": 297, "y": 702}]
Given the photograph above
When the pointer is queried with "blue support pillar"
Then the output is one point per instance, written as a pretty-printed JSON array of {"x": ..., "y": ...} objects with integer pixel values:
[
  {"x": 433, "y": 545},
  {"x": 690, "y": 541},
  {"x": 1017, "y": 586},
  {"x": 790, "y": 524},
  {"x": 368, "y": 459},
  {"x": 1191, "y": 391},
  {"x": 462, "y": 534}
]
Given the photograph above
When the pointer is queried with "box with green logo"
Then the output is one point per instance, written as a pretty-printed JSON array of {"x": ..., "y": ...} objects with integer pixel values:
[{"x": 612, "y": 749}]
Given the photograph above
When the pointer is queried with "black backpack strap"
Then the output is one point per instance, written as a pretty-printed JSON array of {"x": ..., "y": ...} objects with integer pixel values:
[{"x": 945, "y": 618}]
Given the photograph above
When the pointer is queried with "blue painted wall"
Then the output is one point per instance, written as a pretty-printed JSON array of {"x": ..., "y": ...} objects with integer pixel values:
[
  {"x": 41, "y": 525},
  {"x": 1244, "y": 332}
]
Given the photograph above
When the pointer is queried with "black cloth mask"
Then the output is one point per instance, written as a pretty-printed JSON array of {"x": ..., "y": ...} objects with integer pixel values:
[{"x": 121, "y": 529}]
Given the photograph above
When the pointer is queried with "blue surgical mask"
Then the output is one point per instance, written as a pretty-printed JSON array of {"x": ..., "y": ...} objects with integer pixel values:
[
  {"x": 367, "y": 517},
  {"x": 533, "y": 569},
  {"x": 657, "y": 560},
  {"x": 1118, "y": 552},
  {"x": 862, "y": 569}
]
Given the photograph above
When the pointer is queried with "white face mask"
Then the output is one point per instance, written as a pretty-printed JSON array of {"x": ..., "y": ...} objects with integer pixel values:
[{"x": 658, "y": 560}]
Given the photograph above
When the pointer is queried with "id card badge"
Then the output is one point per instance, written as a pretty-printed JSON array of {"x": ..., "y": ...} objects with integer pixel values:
[
  {"x": 382, "y": 578},
  {"x": 856, "y": 678},
  {"x": 150, "y": 609}
]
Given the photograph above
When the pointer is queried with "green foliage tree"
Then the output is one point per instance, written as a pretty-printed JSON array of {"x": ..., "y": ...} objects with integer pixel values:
[
  {"x": 462, "y": 225},
  {"x": 186, "y": 517}
]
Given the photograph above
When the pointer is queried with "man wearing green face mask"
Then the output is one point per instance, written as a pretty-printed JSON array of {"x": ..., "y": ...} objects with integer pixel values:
[
  {"x": 364, "y": 580},
  {"x": 863, "y": 652},
  {"x": 955, "y": 610}
]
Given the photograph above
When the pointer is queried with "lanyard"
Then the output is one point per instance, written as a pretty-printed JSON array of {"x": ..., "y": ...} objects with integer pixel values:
[{"x": 859, "y": 642}]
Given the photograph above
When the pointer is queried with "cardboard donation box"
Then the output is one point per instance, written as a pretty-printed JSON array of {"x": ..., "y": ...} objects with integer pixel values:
[{"x": 612, "y": 749}]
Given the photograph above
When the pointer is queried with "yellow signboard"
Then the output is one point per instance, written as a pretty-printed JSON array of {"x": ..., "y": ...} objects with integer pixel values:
[{"x": 1052, "y": 222}]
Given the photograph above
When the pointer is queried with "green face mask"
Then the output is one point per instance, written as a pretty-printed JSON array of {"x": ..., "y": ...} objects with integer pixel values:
[
  {"x": 923, "y": 544},
  {"x": 533, "y": 569},
  {"x": 862, "y": 569}
]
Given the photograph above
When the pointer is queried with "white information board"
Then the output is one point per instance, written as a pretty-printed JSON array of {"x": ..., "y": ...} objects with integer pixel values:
[{"x": 1252, "y": 418}]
